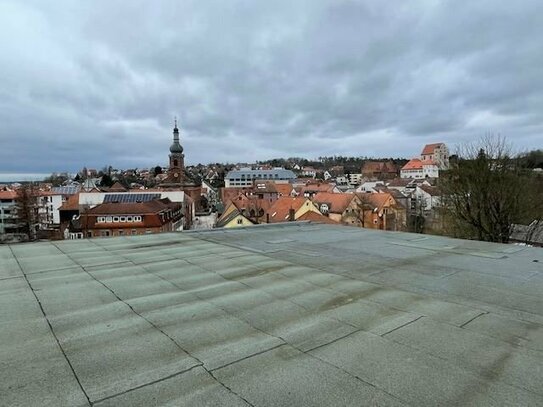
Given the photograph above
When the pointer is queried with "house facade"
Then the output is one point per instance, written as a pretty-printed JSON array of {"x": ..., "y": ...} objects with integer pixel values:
[
  {"x": 438, "y": 153},
  {"x": 420, "y": 169},
  {"x": 382, "y": 211},
  {"x": 340, "y": 207},
  {"x": 233, "y": 217},
  {"x": 9, "y": 222},
  {"x": 138, "y": 218}
]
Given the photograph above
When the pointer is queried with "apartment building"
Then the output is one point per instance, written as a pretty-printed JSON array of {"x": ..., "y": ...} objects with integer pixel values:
[{"x": 245, "y": 177}]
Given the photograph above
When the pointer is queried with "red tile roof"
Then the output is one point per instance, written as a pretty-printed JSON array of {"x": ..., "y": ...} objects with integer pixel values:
[
  {"x": 231, "y": 193},
  {"x": 320, "y": 187},
  {"x": 417, "y": 164},
  {"x": 280, "y": 209},
  {"x": 245, "y": 203},
  {"x": 377, "y": 201},
  {"x": 429, "y": 148},
  {"x": 337, "y": 203},
  {"x": 117, "y": 187},
  {"x": 413, "y": 164},
  {"x": 378, "y": 167},
  {"x": 8, "y": 194},
  {"x": 284, "y": 189}
]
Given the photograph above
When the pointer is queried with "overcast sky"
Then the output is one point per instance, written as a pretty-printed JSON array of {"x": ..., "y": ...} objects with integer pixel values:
[{"x": 90, "y": 83}]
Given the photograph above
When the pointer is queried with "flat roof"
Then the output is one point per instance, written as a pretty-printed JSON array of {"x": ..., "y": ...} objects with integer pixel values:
[
  {"x": 280, "y": 172},
  {"x": 292, "y": 314}
]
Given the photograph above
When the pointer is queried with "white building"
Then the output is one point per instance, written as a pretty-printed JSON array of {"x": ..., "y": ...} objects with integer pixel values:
[
  {"x": 419, "y": 169},
  {"x": 8, "y": 214},
  {"x": 48, "y": 209},
  {"x": 244, "y": 177},
  {"x": 427, "y": 197},
  {"x": 369, "y": 186},
  {"x": 434, "y": 157},
  {"x": 354, "y": 179},
  {"x": 309, "y": 172}
]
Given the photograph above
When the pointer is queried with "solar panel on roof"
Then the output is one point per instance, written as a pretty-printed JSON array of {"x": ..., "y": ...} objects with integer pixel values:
[
  {"x": 66, "y": 190},
  {"x": 130, "y": 198}
]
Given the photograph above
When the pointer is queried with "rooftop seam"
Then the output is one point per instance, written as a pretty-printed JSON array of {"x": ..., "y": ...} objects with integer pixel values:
[
  {"x": 145, "y": 385},
  {"x": 474, "y": 318},
  {"x": 403, "y": 325},
  {"x": 200, "y": 362},
  {"x": 51, "y": 328}
]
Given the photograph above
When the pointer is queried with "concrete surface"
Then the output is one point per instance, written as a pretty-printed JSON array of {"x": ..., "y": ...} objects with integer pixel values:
[{"x": 282, "y": 315}]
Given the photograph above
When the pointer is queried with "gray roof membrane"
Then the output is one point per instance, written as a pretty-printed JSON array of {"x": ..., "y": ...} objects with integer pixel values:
[{"x": 280, "y": 315}]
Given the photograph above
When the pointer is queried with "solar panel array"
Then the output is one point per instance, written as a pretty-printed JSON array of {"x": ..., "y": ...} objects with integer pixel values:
[
  {"x": 130, "y": 198},
  {"x": 66, "y": 190}
]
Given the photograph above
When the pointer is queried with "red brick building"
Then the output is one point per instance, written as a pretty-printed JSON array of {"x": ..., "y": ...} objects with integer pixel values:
[
  {"x": 379, "y": 170},
  {"x": 118, "y": 219}
]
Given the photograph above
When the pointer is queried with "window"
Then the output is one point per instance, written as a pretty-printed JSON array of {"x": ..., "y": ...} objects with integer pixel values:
[
  {"x": 121, "y": 232},
  {"x": 89, "y": 234},
  {"x": 123, "y": 218},
  {"x": 129, "y": 218},
  {"x": 134, "y": 232},
  {"x": 115, "y": 219},
  {"x": 240, "y": 221},
  {"x": 109, "y": 219}
]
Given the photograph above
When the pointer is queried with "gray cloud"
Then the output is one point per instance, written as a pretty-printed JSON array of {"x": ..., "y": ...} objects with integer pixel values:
[{"x": 95, "y": 83}]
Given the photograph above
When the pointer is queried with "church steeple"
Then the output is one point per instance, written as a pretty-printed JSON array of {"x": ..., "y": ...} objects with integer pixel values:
[
  {"x": 176, "y": 172},
  {"x": 176, "y": 147}
]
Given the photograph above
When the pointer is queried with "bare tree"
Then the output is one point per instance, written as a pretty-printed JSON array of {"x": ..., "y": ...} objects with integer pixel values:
[
  {"x": 27, "y": 211},
  {"x": 486, "y": 191}
]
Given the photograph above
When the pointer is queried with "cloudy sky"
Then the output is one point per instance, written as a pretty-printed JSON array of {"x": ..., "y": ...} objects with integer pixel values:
[{"x": 92, "y": 82}]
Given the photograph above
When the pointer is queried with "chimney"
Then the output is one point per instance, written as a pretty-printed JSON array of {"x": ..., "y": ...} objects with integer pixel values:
[
  {"x": 267, "y": 218},
  {"x": 291, "y": 213}
]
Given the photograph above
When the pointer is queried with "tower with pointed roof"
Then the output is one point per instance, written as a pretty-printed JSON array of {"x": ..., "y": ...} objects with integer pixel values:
[
  {"x": 177, "y": 179},
  {"x": 176, "y": 172}
]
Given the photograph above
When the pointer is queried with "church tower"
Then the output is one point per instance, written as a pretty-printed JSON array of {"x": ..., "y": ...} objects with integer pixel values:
[
  {"x": 176, "y": 172},
  {"x": 178, "y": 180}
]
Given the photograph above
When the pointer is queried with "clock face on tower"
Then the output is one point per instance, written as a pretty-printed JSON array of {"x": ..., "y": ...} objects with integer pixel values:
[{"x": 176, "y": 175}]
